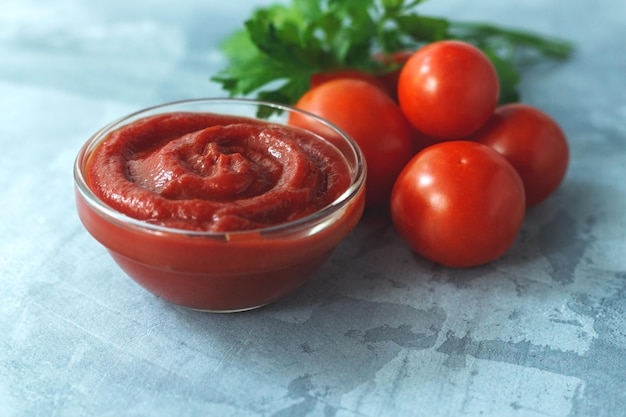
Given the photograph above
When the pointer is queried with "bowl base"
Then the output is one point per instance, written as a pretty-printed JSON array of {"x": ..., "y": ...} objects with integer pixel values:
[{"x": 220, "y": 293}]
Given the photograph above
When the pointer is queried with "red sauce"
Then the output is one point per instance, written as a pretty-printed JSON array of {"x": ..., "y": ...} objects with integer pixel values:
[
  {"x": 227, "y": 175},
  {"x": 216, "y": 173}
]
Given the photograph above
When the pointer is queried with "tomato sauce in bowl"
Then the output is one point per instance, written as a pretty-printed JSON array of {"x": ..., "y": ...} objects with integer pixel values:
[{"x": 210, "y": 207}]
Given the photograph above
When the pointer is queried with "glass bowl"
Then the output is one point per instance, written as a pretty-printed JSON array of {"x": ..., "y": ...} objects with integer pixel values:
[{"x": 223, "y": 271}]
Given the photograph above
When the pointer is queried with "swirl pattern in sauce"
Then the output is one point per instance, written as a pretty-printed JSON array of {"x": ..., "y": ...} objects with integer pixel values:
[{"x": 216, "y": 173}]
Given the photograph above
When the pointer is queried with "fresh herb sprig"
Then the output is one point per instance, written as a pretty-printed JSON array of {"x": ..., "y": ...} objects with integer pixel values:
[{"x": 281, "y": 46}]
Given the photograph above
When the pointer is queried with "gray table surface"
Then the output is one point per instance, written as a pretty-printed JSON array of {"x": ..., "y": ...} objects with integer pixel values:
[{"x": 378, "y": 332}]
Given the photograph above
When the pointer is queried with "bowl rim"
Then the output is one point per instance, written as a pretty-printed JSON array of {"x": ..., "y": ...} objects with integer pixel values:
[{"x": 101, "y": 208}]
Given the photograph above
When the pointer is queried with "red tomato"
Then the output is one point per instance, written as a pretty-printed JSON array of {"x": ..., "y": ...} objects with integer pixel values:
[
  {"x": 373, "y": 120},
  {"x": 533, "y": 143},
  {"x": 448, "y": 89},
  {"x": 458, "y": 203}
]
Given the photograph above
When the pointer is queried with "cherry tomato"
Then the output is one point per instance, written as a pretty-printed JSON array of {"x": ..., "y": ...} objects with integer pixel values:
[
  {"x": 448, "y": 89},
  {"x": 373, "y": 120},
  {"x": 458, "y": 203},
  {"x": 533, "y": 143}
]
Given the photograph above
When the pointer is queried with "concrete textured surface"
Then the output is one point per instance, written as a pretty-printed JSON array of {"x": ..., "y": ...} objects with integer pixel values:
[{"x": 379, "y": 331}]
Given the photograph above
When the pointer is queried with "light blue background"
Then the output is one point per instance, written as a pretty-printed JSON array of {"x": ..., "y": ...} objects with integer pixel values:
[{"x": 378, "y": 332}]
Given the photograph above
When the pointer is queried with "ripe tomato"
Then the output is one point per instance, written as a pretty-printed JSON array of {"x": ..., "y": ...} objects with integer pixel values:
[
  {"x": 373, "y": 120},
  {"x": 458, "y": 203},
  {"x": 448, "y": 89},
  {"x": 533, "y": 143}
]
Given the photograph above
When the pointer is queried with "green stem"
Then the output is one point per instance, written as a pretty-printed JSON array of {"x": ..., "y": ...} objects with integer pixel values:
[{"x": 484, "y": 33}]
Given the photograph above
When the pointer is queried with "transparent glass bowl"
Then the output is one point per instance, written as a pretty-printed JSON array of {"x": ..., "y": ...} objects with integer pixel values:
[{"x": 231, "y": 271}]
